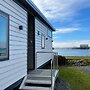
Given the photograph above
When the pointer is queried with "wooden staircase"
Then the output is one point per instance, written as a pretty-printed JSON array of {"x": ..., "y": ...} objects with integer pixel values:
[{"x": 38, "y": 81}]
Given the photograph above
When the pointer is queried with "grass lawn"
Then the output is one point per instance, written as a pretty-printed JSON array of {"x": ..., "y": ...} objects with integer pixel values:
[
  {"x": 77, "y": 79},
  {"x": 82, "y": 60},
  {"x": 78, "y": 57}
]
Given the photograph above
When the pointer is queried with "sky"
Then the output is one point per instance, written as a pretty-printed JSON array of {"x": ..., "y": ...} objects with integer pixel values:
[
  {"x": 3, "y": 27},
  {"x": 70, "y": 18}
]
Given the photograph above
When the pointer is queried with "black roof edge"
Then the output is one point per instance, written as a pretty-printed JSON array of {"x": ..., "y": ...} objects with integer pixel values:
[{"x": 32, "y": 8}]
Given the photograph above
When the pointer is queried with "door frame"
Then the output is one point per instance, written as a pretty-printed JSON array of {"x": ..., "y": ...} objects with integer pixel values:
[{"x": 31, "y": 42}]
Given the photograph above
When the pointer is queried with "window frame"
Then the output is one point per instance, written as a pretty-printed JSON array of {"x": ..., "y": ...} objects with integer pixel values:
[
  {"x": 7, "y": 33},
  {"x": 42, "y": 35},
  {"x": 48, "y": 33}
]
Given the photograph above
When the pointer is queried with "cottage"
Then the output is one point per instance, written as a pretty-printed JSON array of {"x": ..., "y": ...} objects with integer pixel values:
[{"x": 25, "y": 43}]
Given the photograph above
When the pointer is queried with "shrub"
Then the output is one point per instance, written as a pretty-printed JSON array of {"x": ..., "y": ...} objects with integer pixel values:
[{"x": 62, "y": 60}]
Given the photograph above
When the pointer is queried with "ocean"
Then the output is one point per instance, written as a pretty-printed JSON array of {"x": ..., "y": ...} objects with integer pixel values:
[
  {"x": 72, "y": 52},
  {"x": 2, "y": 50}
]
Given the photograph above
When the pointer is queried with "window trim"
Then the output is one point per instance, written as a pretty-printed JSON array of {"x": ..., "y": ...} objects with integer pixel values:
[
  {"x": 42, "y": 35},
  {"x": 7, "y": 16},
  {"x": 48, "y": 33}
]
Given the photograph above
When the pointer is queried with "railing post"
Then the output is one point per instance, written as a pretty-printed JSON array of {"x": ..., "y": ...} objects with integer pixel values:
[
  {"x": 36, "y": 60},
  {"x": 51, "y": 74},
  {"x": 57, "y": 60}
]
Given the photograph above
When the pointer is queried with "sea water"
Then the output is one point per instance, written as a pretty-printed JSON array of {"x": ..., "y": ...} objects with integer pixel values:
[{"x": 72, "y": 52}]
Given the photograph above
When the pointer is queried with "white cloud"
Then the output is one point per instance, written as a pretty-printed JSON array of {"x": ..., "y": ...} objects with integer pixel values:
[
  {"x": 66, "y": 30},
  {"x": 74, "y": 43},
  {"x": 61, "y": 9},
  {"x": 56, "y": 37}
]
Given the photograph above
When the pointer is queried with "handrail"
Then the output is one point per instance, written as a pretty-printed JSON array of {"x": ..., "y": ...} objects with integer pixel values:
[
  {"x": 43, "y": 52},
  {"x": 51, "y": 74},
  {"x": 54, "y": 54}
]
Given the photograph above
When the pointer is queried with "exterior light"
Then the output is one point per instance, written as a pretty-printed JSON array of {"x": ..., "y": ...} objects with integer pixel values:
[
  {"x": 20, "y": 27},
  {"x": 38, "y": 32},
  {"x": 46, "y": 38}
]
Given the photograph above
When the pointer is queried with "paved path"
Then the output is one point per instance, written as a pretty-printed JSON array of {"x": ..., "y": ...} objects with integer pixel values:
[
  {"x": 61, "y": 85},
  {"x": 85, "y": 69}
]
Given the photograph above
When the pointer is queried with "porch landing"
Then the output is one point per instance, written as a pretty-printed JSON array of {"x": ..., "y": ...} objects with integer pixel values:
[
  {"x": 43, "y": 73},
  {"x": 39, "y": 79}
]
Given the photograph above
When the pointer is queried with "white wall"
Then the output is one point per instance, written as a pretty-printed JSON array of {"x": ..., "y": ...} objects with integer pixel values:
[
  {"x": 42, "y": 58},
  {"x": 16, "y": 67}
]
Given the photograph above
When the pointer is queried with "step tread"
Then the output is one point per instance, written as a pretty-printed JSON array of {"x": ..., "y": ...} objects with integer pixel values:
[
  {"x": 38, "y": 81},
  {"x": 43, "y": 76},
  {"x": 39, "y": 78},
  {"x": 35, "y": 88}
]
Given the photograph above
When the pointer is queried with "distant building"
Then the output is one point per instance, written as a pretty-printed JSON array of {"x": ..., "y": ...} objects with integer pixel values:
[{"x": 84, "y": 46}]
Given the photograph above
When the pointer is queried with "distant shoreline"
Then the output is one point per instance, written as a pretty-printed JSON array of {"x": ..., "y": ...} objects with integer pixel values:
[
  {"x": 73, "y": 48},
  {"x": 72, "y": 51},
  {"x": 81, "y": 48}
]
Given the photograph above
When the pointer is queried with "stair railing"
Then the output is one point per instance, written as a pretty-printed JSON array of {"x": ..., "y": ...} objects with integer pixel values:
[{"x": 54, "y": 64}]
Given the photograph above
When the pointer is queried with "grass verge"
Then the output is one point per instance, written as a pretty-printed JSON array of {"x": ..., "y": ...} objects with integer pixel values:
[
  {"x": 77, "y": 79},
  {"x": 78, "y": 60},
  {"x": 78, "y": 57}
]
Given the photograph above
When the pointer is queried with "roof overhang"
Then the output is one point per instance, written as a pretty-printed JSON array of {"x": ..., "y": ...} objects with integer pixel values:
[{"x": 31, "y": 7}]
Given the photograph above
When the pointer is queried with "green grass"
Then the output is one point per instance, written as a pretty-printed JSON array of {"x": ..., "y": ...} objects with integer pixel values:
[
  {"x": 77, "y": 79},
  {"x": 78, "y": 57},
  {"x": 83, "y": 60}
]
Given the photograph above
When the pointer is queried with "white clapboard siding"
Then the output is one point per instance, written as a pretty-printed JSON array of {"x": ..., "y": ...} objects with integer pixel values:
[
  {"x": 19, "y": 11},
  {"x": 12, "y": 11},
  {"x": 16, "y": 67},
  {"x": 6, "y": 70},
  {"x": 14, "y": 57},
  {"x": 14, "y": 28},
  {"x": 12, "y": 62},
  {"x": 12, "y": 33},
  {"x": 42, "y": 58},
  {"x": 18, "y": 21},
  {"x": 16, "y": 47},
  {"x": 16, "y": 43},
  {"x": 12, "y": 79}
]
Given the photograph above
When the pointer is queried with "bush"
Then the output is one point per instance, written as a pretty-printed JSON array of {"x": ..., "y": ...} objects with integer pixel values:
[{"x": 62, "y": 60}]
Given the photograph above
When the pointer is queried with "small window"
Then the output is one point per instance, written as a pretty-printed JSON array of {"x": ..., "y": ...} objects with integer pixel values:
[
  {"x": 49, "y": 33},
  {"x": 4, "y": 47},
  {"x": 42, "y": 41}
]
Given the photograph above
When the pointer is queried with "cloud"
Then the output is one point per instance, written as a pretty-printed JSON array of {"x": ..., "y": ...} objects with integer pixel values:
[
  {"x": 66, "y": 30},
  {"x": 61, "y": 9},
  {"x": 74, "y": 43},
  {"x": 55, "y": 37}
]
